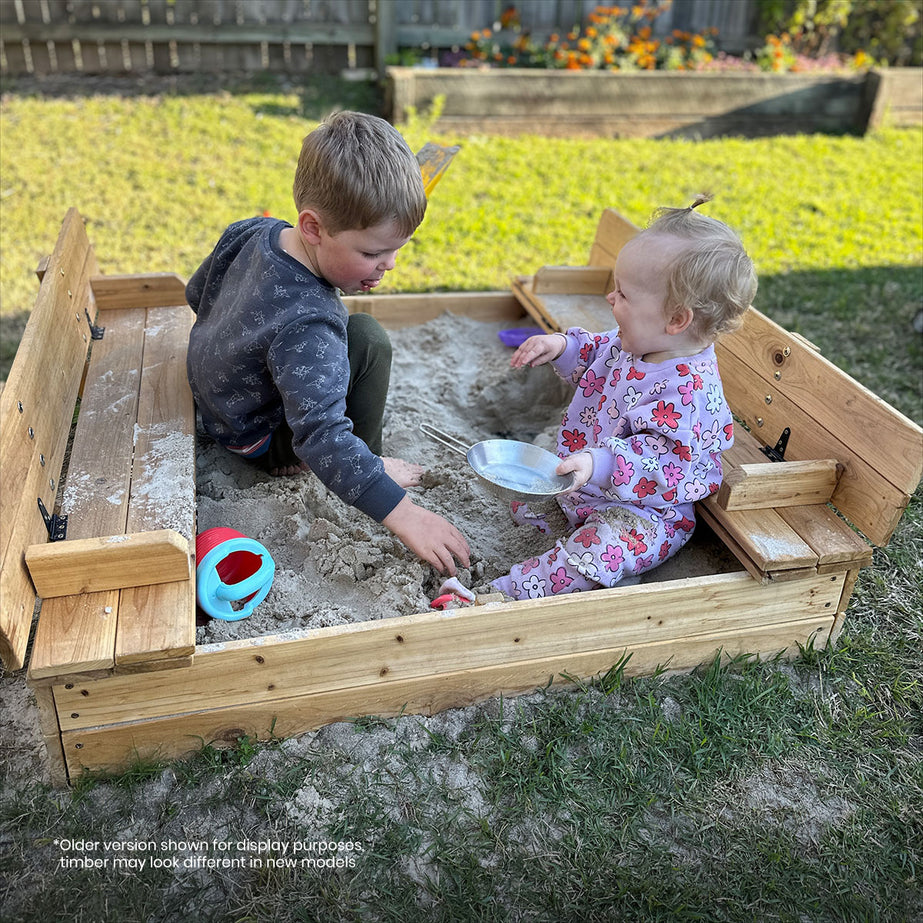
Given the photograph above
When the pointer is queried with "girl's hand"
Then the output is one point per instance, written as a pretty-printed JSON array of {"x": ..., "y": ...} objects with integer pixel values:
[
  {"x": 538, "y": 350},
  {"x": 581, "y": 464}
]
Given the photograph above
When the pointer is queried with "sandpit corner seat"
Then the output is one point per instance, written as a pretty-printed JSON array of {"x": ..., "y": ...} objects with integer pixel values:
[{"x": 106, "y": 354}]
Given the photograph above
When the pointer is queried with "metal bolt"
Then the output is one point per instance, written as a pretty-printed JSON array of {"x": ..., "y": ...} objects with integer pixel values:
[
  {"x": 768, "y": 398},
  {"x": 787, "y": 351},
  {"x": 759, "y": 421},
  {"x": 778, "y": 376},
  {"x": 31, "y": 433}
]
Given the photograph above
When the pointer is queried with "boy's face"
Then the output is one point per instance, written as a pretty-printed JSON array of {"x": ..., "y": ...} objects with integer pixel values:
[{"x": 356, "y": 261}]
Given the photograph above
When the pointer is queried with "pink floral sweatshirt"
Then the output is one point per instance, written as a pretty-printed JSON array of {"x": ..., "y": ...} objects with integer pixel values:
[{"x": 655, "y": 431}]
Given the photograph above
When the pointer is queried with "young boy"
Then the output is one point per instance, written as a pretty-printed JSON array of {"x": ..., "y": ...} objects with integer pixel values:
[
  {"x": 280, "y": 375},
  {"x": 646, "y": 427}
]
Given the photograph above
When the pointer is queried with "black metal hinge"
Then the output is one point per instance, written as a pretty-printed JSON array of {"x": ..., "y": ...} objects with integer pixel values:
[
  {"x": 777, "y": 453},
  {"x": 96, "y": 333},
  {"x": 56, "y": 525}
]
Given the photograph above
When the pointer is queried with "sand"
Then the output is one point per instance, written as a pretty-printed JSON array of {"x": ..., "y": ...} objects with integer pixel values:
[{"x": 333, "y": 563}]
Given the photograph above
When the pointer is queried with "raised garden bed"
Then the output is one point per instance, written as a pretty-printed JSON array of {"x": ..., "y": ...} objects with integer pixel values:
[{"x": 656, "y": 104}]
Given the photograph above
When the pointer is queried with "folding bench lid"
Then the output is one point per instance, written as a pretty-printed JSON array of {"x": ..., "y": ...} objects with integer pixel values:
[{"x": 36, "y": 408}]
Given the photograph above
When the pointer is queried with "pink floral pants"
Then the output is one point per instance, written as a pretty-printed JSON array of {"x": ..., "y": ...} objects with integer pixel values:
[{"x": 607, "y": 546}]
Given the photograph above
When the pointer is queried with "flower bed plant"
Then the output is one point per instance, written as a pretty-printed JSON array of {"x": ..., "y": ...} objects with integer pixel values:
[{"x": 623, "y": 39}]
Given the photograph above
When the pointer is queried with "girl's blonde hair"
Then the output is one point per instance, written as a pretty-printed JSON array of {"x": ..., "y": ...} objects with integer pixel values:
[
  {"x": 713, "y": 276},
  {"x": 357, "y": 171}
]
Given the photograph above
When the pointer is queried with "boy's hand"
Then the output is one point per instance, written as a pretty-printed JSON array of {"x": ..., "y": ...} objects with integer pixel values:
[
  {"x": 428, "y": 536},
  {"x": 581, "y": 464},
  {"x": 538, "y": 350}
]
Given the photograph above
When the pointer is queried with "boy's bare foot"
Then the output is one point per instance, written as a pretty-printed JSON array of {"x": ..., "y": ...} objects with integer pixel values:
[{"x": 403, "y": 473}]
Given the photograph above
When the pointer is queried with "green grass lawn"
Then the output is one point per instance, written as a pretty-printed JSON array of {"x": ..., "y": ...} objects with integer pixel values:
[
  {"x": 833, "y": 223},
  {"x": 753, "y": 792}
]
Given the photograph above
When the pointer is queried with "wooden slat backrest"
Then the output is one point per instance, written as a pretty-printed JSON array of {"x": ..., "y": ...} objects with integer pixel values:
[
  {"x": 612, "y": 233},
  {"x": 774, "y": 381},
  {"x": 36, "y": 408}
]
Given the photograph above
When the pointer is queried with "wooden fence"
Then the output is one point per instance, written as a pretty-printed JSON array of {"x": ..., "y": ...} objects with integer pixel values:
[{"x": 291, "y": 36}]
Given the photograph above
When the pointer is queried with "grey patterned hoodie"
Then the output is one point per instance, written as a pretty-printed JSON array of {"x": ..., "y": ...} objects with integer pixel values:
[{"x": 269, "y": 343}]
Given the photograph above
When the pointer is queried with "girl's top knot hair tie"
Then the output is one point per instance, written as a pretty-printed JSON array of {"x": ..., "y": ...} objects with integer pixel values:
[{"x": 700, "y": 199}]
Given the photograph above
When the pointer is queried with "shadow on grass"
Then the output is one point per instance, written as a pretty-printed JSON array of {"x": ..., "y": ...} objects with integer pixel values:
[
  {"x": 319, "y": 94},
  {"x": 11, "y": 329}
]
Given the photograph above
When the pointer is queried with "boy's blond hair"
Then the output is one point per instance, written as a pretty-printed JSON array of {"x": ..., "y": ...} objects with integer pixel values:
[
  {"x": 713, "y": 276},
  {"x": 357, "y": 171}
]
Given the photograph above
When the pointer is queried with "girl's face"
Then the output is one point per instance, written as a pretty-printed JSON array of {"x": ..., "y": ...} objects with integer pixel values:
[
  {"x": 356, "y": 261},
  {"x": 639, "y": 298}
]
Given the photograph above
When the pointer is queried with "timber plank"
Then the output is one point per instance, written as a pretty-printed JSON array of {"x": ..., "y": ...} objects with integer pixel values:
[
  {"x": 368, "y": 653},
  {"x": 831, "y": 539},
  {"x": 143, "y": 290},
  {"x": 36, "y": 407},
  {"x": 51, "y": 734},
  {"x": 612, "y": 233},
  {"x": 77, "y": 634},
  {"x": 175, "y": 735},
  {"x": 837, "y": 402},
  {"x": 156, "y": 628},
  {"x": 158, "y": 622},
  {"x": 572, "y": 280},
  {"x": 772, "y": 485},
  {"x": 162, "y": 494},
  {"x": 90, "y": 565},
  {"x": 863, "y": 495},
  {"x": 773, "y": 381},
  {"x": 396, "y": 311},
  {"x": 101, "y": 455},
  {"x": 762, "y": 536},
  {"x": 562, "y": 311}
]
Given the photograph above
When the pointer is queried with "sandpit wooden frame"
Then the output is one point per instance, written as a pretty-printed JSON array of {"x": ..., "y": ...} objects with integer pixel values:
[{"x": 114, "y": 665}]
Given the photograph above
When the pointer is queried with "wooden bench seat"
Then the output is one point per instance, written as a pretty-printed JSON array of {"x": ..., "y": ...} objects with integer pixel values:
[{"x": 119, "y": 591}]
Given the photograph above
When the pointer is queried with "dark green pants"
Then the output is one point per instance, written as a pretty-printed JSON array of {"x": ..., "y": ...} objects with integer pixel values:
[{"x": 369, "y": 351}]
